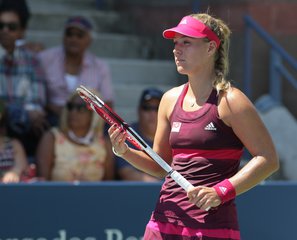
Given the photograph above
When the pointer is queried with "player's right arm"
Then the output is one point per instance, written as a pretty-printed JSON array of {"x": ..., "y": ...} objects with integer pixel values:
[{"x": 138, "y": 159}]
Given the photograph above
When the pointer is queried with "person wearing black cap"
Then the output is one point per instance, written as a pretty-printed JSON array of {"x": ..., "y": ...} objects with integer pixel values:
[
  {"x": 71, "y": 65},
  {"x": 146, "y": 128}
]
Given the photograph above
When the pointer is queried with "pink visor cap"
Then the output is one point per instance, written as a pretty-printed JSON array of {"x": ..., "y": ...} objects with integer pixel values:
[{"x": 192, "y": 27}]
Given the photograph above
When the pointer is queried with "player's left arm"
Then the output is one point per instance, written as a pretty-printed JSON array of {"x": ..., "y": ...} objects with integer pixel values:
[{"x": 237, "y": 111}]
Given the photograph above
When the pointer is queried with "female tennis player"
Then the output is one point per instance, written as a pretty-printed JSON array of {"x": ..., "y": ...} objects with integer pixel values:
[{"x": 203, "y": 126}]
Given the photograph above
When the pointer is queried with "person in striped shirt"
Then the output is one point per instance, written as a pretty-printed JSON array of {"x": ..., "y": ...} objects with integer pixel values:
[
  {"x": 203, "y": 126},
  {"x": 22, "y": 81},
  {"x": 71, "y": 65}
]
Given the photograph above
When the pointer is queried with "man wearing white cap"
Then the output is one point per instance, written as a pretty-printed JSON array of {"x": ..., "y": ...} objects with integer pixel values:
[{"x": 71, "y": 65}]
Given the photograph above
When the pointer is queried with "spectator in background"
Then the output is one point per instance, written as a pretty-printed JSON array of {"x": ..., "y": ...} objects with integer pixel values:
[
  {"x": 145, "y": 127},
  {"x": 22, "y": 82},
  {"x": 13, "y": 161},
  {"x": 21, "y": 6},
  {"x": 71, "y": 65},
  {"x": 77, "y": 149}
]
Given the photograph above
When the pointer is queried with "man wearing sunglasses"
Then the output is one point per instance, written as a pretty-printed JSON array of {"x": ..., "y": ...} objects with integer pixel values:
[
  {"x": 145, "y": 127},
  {"x": 71, "y": 65},
  {"x": 22, "y": 8},
  {"x": 22, "y": 82}
]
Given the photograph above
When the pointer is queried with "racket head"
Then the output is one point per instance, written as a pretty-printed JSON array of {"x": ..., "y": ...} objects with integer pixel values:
[{"x": 97, "y": 105}]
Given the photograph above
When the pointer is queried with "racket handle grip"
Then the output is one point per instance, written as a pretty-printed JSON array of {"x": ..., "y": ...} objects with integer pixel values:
[
  {"x": 180, "y": 180},
  {"x": 184, "y": 183}
]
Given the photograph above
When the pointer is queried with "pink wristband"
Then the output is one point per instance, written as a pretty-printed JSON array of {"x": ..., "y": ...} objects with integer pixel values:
[{"x": 225, "y": 190}]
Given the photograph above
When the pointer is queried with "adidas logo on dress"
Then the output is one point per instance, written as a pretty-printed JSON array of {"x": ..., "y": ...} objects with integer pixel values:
[{"x": 210, "y": 127}]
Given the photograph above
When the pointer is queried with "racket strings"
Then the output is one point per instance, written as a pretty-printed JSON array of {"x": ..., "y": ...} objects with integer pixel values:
[
  {"x": 110, "y": 117},
  {"x": 107, "y": 114}
]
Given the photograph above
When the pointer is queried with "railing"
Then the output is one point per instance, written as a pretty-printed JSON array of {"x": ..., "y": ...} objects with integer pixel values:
[{"x": 278, "y": 56}]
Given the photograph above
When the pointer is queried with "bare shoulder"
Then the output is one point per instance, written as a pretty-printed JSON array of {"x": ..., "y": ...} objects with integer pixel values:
[
  {"x": 173, "y": 93},
  {"x": 234, "y": 104},
  {"x": 169, "y": 99},
  {"x": 235, "y": 100}
]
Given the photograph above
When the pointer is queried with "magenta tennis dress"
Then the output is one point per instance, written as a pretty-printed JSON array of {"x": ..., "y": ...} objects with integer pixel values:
[{"x": 205, "y": 151}]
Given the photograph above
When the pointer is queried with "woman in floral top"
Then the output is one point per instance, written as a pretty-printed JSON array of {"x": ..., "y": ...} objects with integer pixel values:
[{"x": 77, "y": 150}]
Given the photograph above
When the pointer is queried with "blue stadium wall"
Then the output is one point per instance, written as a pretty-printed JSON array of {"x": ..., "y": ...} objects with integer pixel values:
[{"x": 120, "y": 211}]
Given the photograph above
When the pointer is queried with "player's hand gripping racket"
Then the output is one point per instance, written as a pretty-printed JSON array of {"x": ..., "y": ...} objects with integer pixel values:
[{"x": 111, "y": 118}]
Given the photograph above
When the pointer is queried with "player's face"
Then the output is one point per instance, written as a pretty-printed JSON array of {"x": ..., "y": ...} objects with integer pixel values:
[
  {"x": 10, "y": 29},
  {"x": 190, "y": 54}
]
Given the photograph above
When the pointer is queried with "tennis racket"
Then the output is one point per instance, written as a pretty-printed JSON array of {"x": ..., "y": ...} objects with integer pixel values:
[{"x": 97, "y": 105}]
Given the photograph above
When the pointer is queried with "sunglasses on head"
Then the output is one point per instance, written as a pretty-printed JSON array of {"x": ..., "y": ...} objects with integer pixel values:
[
  {"x": 11, "y": 26},
  {"x": 70, "y": 33},
  {"x": 80, "y": 107},
  {"x": 149, "y": 108}
]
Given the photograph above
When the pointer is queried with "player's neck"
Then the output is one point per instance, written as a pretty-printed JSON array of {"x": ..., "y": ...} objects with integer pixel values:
[{"x": 200, "y": 90}]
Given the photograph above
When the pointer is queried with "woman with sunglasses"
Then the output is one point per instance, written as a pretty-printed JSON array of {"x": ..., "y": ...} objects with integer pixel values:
[
  {"x": 77, "y": 149},
  {"x": 203, "y": 126}
]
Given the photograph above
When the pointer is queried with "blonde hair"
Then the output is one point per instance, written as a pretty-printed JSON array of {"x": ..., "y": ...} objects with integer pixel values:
[
  {"x": 97, "y": 123},
  {"x": 221, "y": 59}
]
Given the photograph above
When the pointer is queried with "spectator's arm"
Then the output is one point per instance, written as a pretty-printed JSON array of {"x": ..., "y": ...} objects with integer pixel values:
[
  {"x": 109, "y": 163},
  {"x": 45, "y": 155},
  {"x": 20, "y": 165},
  {"x": 106, "y": 86}
]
